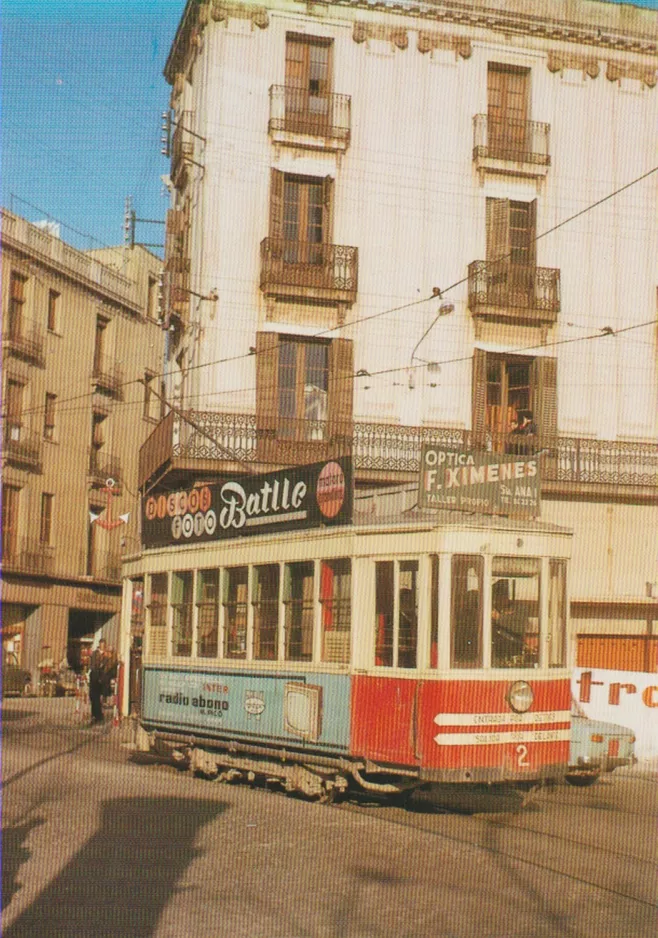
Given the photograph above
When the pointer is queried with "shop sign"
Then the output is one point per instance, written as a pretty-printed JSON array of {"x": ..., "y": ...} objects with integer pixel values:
[
  {"x": 287, "y": 500},
  {"x": 466, "y": 480}
]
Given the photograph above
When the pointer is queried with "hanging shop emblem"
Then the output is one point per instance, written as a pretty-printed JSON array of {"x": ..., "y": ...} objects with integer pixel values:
[
  {"x": 290, "y": 499},
  {"x": 495, "y": 483}
]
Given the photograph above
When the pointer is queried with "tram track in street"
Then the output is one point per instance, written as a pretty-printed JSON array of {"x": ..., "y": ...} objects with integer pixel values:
[{"x": 489, "y": 826}]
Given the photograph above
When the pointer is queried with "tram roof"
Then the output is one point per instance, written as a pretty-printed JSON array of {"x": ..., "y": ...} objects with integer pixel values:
[{"x": 398, "y": 506}]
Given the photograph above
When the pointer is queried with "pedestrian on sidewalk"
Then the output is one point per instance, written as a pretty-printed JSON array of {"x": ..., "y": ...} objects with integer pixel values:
[{"x": 97, "y": 681}]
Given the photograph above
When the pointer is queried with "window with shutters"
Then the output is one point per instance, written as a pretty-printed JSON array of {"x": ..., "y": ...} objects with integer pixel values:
[
  {"x": 53, "y": 310},
  {"x": 508, "y": 284},
  {"x": 15, "y": 311},
  {"x": 14, "y": 410},
  {"x": 49, "y": 417},
  {"x": 305, "y": 388},
  {"x": 508, "y": 95},
  {"x": 308, "y": 83},
  {"x": 46, "y": 521},
  {"x": 10, "y": 520},
  {"x": 299, "y": 258},
  {"x": 514, "y": 402}
]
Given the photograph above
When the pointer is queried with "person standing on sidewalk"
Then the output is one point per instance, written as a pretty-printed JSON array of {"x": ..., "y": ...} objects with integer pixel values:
[{"x": 97, "y": 681}]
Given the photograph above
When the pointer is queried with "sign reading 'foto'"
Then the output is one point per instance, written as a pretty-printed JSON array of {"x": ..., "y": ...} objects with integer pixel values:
[
  {"x": 478, "y": 481},
  {"x": 290, "y": 499}
]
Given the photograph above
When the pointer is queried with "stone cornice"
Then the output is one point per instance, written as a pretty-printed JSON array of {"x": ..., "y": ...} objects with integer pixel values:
[{"x": 602, "y": 25}]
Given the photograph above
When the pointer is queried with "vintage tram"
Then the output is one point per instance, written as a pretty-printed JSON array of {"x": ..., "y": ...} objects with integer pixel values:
[{"x": 404, "y": 649}]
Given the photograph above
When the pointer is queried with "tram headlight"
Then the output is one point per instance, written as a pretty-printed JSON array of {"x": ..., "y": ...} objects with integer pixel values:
[{"x": 520, "y": 696}]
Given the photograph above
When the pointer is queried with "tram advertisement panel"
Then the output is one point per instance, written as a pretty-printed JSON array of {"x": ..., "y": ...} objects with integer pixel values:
[
  {"x": 479, "y": 481},
  {"x": 300, "y": 497}
]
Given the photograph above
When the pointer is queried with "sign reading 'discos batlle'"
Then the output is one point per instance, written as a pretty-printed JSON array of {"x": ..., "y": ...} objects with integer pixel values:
[
  {"x": 479, "y": 481},
  {"x": 302, "y": 497}
]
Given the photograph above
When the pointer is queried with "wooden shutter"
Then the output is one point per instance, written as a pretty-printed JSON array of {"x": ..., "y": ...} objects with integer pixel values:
[
  {"x": 532, "y": 234},
  {"x": 498, "y": 235},
  {"x": 276, "y": 203},
  {"x": 479, "y": 397},
  {"x": 327, "y": 209},
  {"x": 267, "y": 384},
  {"x": 341, "y": 391},
  {"x": 544, "y": 379}
]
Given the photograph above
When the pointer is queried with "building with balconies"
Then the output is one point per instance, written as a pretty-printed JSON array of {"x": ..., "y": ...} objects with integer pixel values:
[
  {"x": 336, "y": 168},
  {"x": 80, "y": 336}
]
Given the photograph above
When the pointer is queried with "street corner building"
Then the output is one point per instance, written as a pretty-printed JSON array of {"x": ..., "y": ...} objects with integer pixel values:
[{"x": 332, "y": 163}]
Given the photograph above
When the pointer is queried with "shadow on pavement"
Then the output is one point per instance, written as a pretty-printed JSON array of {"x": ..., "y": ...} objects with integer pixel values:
[
  {"x": 13, "y": 716},
  {"x": 14, "y": 855},
  {"x": 121, "y": 880}
]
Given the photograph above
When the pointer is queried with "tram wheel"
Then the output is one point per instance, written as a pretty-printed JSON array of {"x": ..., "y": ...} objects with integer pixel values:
[{"x": 582, "y": 780}]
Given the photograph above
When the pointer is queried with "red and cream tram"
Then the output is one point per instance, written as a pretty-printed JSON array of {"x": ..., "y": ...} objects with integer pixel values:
[{"x": 408, "y": 648}]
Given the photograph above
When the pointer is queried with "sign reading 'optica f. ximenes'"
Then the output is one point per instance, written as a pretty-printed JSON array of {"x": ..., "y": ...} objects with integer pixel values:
[{"x": 479, "y": 481}]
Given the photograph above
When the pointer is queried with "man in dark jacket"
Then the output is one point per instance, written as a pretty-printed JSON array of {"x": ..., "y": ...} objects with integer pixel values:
[{"x": 97, "y": 681}]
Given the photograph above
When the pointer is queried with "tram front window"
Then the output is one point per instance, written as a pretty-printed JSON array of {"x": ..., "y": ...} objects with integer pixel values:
[
  {"x": 235, "y": 612},
  {"x": 266, "y": 612},
  {"x": 299, "y": 611},
  {"x": 515, "y": 612},
  {"x": 466, "y": 611}
]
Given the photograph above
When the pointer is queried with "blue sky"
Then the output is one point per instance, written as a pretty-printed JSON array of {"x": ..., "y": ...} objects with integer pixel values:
[{"x": 82, "y": 94}]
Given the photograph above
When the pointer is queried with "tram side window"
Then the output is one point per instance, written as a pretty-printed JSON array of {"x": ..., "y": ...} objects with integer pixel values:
[
  {"x": 408, "y": 614},
  {"x": 557, "y": 614},
  {"x": 434, "y": 605},
  {"x": 266, "y": 612},
  {"x": 384, "y": 613},
  {"x": 181, "y": 603},
  {"x": 466, "y": 611},
  {"x": 298, "y": 601},
  {"x": 515, "y": 612},
  {"x": 236, "y": 585},
  {"x": 157, "y": 639},
  {"x": 396, "y": 637},
  {"x": 208, "y": 613},
  {"x": 336, "y": 604}
]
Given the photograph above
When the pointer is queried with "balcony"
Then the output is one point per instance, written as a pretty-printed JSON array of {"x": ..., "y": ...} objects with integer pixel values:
[
  {"x": 102, "y": 467},
  {"x": 301, "y": 270},
  {"x": 518, "y": 148},
  {"x": 20, "y": 555},
  {"x": 383, "y": 452},
  {"x": 300, "y": 119},
  {"x": 22, "y": 447},
  {"x": 25, "y": 339},
  {"x": 107, "y": 376},
  {"x": 182, "y": 148},
  {"x": 499, "y": 290},
  {"x": 104, "y": 567}
]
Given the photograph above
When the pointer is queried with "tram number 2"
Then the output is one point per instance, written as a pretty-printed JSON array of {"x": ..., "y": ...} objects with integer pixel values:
[{"x": 522, "y": 756}]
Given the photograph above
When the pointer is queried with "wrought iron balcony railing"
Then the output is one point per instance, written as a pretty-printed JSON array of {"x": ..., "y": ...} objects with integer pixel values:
[
  {"x": 108, "y": 376},
  {"x": 103, "y": 466},
  {"x": 510, "y": 140},
  {"x": 25, "y": 339},
  {"x": 391, "y": 449},
  {"x": 22, "y": 447},
  {"x": 290, "y": 268},
  {"x": 23, "y": 555},
  {"x": 298, "y": 112},
  {"x": 510, "y": 287}
]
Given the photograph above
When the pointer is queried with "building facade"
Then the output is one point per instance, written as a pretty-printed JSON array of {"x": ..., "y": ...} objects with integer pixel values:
[
  {"x": 80, "y": 337},
  {"x": 342, "y": 175}
]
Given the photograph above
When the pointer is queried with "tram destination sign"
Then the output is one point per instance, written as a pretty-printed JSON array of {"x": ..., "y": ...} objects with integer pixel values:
[
  {"x": 473, "y": 480},
  {"x": 239, "y": 506}
]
